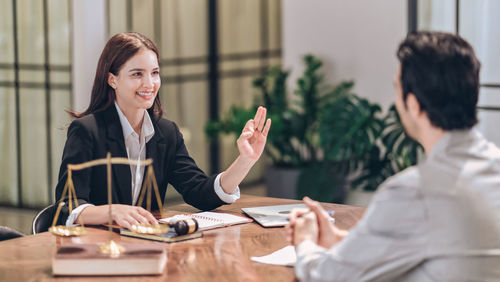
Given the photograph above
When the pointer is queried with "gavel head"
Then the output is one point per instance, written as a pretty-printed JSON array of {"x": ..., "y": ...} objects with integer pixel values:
[{"x": 185, "y": 226}]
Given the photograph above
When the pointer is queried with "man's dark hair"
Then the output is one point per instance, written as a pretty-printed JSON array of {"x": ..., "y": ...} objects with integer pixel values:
[{"x": 442, "y": 71}]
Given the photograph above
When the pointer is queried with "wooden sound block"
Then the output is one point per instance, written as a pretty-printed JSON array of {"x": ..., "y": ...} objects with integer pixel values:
[{"x": 84, "y": 259}]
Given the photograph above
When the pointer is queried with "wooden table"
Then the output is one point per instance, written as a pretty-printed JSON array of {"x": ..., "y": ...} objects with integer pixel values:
[{"x": 221, "y": 255}]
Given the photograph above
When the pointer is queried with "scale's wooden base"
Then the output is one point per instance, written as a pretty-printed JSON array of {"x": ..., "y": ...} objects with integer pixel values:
[{"x": 85, "y": 259}]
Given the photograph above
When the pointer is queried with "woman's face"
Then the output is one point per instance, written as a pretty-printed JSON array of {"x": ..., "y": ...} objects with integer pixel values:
[{"x": 137, "y": 82}]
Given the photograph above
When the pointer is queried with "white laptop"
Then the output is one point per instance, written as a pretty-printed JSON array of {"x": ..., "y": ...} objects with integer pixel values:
[{"x": 272, "y": 216}]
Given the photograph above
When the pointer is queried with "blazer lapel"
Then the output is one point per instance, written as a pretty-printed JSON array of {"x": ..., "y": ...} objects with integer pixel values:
[
  {"x": 116, "y": 146},
  {"x": 156, "y": 149}
]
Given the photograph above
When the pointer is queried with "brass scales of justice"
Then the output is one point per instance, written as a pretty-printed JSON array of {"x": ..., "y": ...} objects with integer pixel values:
[{"x": 111, "y": 248}]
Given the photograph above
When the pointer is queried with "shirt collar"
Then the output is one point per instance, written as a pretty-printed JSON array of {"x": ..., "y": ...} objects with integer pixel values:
[
  {"x": 147, "y": 129},
  {"x": 452, "y": 139}
]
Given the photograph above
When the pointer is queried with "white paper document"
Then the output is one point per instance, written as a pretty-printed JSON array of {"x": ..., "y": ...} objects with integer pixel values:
[{"x": 285, "y": 256}]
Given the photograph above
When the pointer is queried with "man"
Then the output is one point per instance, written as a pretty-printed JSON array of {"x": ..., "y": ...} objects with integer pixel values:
[{"x": 437, "y": 221}]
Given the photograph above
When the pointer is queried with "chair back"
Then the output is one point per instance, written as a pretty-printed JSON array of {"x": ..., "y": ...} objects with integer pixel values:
[
  {"x": 7, "y": 233},
  {"x": 43, "y": 220}
]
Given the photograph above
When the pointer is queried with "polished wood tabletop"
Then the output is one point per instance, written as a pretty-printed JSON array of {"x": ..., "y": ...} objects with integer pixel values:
[{"x": 222, "y": 254}]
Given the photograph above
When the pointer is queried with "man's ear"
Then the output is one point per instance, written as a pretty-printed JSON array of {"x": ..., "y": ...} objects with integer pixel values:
[
  {"x": 112, "y": 80},
  {"x": 413, "y": 106}
]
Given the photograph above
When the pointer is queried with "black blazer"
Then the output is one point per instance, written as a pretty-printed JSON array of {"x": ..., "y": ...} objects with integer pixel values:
[{"x": 92, "y": 136}]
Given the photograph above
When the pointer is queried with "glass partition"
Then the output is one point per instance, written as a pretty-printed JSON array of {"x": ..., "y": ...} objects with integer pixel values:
[{"x": 477, "y": 21}]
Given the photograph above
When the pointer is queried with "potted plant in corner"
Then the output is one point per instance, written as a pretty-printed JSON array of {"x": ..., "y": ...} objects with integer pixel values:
[
  {"x": 394, "y": 152},
  {"x": 319, "y": 136},
  {"x": 348, "y": 130}
]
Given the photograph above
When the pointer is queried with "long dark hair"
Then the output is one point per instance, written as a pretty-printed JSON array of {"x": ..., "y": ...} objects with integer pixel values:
[{"x": 118, "y": 50}]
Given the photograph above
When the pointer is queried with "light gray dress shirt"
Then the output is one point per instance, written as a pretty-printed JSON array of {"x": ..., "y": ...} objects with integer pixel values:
[{"x": 438, "y": 221}]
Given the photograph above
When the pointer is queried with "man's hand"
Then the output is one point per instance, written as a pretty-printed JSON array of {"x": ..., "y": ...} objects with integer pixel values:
[
  {"x": 303, "y": 226},
  {"x": 292, "y": 218},
  {"x": 329, "y": 234}
]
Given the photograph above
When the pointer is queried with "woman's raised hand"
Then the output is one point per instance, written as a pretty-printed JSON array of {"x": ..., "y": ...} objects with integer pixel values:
[{"x": 253, "y": 138}]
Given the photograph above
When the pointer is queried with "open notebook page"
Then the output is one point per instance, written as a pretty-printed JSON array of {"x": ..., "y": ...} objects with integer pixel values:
[{"x": 210, "y": 220}]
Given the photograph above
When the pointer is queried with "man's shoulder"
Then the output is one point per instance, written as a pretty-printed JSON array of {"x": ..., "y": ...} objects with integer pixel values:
[
  {"x": 409, "y": 178},
  {"x": 397, "y": 206},
  {"x": 403, "y": 186}
]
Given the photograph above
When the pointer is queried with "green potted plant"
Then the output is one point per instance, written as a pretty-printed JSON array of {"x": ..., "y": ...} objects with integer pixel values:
[
  {"x": 319, "y": 136},
  {"x": 399, "y": 152},
  {"x": 348, "y": 129}
]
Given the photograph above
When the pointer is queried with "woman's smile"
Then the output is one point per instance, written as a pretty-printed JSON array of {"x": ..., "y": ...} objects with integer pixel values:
[{"x": 145, "y": 94}]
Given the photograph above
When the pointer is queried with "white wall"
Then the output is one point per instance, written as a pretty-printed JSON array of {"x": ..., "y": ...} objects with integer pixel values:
[
  {"x": 89, "y": 37},
  {"x": 356, "y": 40}
]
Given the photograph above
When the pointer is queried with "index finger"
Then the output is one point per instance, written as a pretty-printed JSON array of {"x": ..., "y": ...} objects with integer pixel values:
[
  {"x": 147, "y": 215},
  {"x": 312, "y": 204},
  {"x": 257, "y": 113},
  {"x": 262, "y": 119},
  {"x": 259, "y": 118},
  {"x": 140, "y": 218},
  {"x": 296, "y": 213},
  {"x": 316, "y": 208}
]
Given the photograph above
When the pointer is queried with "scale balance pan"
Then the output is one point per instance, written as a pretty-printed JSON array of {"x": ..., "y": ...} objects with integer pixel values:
[
  {"x": 61, "y": 230},
  {"x": 150, "y": 228}
]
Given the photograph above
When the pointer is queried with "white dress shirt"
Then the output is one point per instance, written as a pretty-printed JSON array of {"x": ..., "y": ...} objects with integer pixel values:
[
  {"x": 438, "y": 221},
  {"x": 135, "y": 145}
]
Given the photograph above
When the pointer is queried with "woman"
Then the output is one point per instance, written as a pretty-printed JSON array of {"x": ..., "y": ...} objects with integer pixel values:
[{"x": 125, "y": 118}]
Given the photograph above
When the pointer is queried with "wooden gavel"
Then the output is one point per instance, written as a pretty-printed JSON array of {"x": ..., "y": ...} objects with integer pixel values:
[{"x": 185, "y": 226}]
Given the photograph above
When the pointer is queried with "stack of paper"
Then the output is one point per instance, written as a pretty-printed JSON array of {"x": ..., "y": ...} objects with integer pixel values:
[{"x": 285, "y": 256}]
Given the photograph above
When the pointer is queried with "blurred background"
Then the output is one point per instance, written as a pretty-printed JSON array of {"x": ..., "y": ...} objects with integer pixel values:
[{"x": 211, "y": 52}]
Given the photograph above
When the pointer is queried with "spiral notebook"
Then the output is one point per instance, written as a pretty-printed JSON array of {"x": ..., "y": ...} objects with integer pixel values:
[{"x": 210, "y": 220}]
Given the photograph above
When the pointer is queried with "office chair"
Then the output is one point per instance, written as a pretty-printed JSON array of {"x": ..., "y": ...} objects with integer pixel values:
[
  {"x": 43, "y": 220},
  {"x": 7, "y": 233}
]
